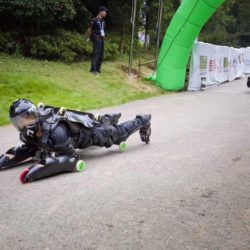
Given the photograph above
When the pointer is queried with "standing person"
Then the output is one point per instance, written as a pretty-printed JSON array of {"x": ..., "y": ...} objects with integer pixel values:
[{"x": 97, "y": 35}]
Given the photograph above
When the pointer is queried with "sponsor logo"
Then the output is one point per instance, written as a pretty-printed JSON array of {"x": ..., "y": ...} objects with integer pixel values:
[{"x": 212, "y": 65}]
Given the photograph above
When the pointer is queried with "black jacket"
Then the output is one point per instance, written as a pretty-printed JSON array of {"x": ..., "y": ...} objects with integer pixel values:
[{"x": 96, "y": 25}]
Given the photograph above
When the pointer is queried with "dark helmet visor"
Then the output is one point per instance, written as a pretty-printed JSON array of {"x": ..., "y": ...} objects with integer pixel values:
[{"x": 28, "y": 118}]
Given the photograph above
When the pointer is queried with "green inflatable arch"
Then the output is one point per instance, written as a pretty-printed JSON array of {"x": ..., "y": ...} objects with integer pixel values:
[{"x": 178, "y": 41}]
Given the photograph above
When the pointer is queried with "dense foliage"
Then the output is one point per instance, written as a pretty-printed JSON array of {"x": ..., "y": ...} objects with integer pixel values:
[
  {"x": 57, "y": 29},
  {"x": 230, "y": 25}
]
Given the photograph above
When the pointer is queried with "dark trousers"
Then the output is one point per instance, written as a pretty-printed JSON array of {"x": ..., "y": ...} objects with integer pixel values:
[
  {"x": 98, "y": 53},
  {"x": 108, "y": 135}
]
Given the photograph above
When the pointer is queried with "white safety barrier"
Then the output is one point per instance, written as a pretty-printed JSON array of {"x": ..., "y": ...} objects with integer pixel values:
[
  {"x": 246, "y": 57},
  {"x": 212, "y": 65}
]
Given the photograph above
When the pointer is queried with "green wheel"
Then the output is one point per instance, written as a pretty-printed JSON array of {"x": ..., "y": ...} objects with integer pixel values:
[
  {"x": 98, "y": 117},
  {"x": 123, "y": 146},
  {"x": 62, "y": 111},
  {"x": 80, "y": 166},
  {"x": 40, "y": 105}
]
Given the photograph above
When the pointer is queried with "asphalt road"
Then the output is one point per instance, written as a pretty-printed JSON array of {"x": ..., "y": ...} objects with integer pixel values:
[{"x": 188, "y": 189}]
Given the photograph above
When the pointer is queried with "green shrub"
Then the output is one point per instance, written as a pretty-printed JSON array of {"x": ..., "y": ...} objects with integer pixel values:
[
  {"x": 111, "y": 50},
  {"x": 220, "y": 37},
  {"x": 7, "y": 42},
  {"x": 63, "y": 45},
  {"x": 66, "y": 46},
  {"x": 123, "y": 43}
]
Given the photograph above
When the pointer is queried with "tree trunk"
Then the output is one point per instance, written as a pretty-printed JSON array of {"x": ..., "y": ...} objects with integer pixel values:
[{"x": 122, "y": 42}]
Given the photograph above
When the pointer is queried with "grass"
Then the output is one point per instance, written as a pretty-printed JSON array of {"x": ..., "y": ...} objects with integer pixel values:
[{"x": 68, "y": 85}]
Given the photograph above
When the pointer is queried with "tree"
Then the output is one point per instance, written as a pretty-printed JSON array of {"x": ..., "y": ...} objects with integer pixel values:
[
  {"x": 150, "y": 11},
  {"x": 243, "y": 22},
  {"x": 229, "y": 25},
  {"x": 80, "y": 21},
  {"x": 30, "y": 15}
]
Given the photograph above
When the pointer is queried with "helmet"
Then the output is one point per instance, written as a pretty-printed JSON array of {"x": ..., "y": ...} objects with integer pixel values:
[
  {"x": 23, "y": 115},
  {"x": 102, "y": 8}
]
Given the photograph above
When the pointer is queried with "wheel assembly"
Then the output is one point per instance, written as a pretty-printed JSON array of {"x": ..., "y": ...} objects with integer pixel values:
[{"x": 23, "y": 176}]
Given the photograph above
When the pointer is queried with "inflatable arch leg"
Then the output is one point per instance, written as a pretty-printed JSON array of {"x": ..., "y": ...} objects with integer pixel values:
[{"x": 178, "y": 41}]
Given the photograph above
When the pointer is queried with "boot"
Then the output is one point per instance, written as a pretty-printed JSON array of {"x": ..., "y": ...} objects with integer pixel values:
[
  {"x": 145, "y": 131},
  {"x": 111, "y": 119}
]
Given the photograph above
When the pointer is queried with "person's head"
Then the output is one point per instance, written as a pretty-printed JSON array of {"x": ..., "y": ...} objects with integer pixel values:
[
  {"x": 102, "y": 11},
  {"x": 24, "y": 116}
]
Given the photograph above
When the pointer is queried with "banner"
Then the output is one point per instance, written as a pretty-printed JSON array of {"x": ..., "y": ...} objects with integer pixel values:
[
  {"x": 246, "y": 58},
  {"x": 213, "y": 65}
]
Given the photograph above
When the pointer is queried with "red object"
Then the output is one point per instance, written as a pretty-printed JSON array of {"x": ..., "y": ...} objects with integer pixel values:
[{"x": 23, "y": 175}]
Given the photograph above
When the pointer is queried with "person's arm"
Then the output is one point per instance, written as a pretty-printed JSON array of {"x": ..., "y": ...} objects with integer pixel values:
[
  {"x": 61, "y": 139},
  {"x": 17, "y": 155},
  {"x": 90, "y": 28},
  {"x": 65, "y": 159}
]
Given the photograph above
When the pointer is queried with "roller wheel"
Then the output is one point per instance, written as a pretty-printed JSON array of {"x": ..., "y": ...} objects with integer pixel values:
[
  {"x": 23, "y": 175},
  {"x": 62, "y": 111},
  {"x": 123, "y": 146},
  {"x": 98, "y": 117},
  {"x": 40, "y": 105},
  {"x": 145, "y": 135},
  {"x": 80, "y": 166}
]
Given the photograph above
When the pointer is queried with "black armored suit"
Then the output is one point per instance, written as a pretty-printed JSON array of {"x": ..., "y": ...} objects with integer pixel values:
[{"x": 57, "y": 133}]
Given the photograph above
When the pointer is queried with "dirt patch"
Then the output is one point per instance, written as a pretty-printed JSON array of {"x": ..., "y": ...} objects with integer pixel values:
[
  {"x": 137, "y": 81},
  {"x": 124, "y": 68}
]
